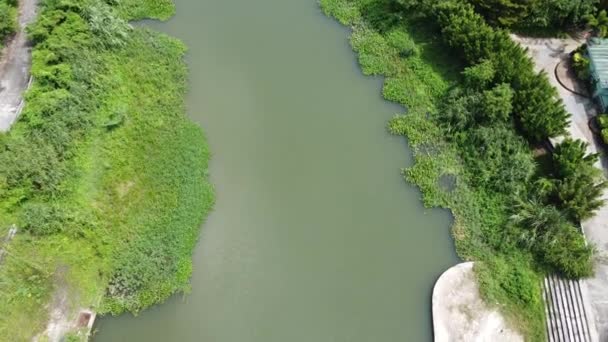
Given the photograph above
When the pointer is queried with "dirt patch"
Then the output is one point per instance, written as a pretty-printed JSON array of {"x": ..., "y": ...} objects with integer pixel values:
[
  {"x": 123, "y": 188},
  {"x": 59, "y": 309},
  {"x": 63, "y": 317},
  {"x": 447, "y": 182}
]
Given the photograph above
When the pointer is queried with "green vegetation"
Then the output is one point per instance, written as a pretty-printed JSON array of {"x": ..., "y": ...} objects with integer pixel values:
[
  {"x": 8, "y": 19},
  {"x": 602, "y": 122},
  {"x": 598, "y": 23},
  {"x": 538, "y": 111},
  {"x": 137, "y": 9},
  {"x": 103, "y": 172},
  {"x": 545, "y": 16},
  {"x": 581, "y": 64},
  {"x": 536, "y": 14},
  {"x": 472, "y": 119}
]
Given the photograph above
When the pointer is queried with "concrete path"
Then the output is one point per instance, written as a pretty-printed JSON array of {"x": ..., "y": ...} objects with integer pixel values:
[
  {"x": 459, "y": 313},
  {"x": 547, "y": 53},
  {"x": 15, "y": 68},
  {"x": 9, "y": 236}
]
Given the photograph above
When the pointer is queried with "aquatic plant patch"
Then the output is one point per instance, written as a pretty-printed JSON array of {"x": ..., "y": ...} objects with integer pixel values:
[{"x": 103, "y": 173}]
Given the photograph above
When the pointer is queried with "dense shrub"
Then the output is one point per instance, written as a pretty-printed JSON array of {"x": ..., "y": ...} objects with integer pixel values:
[
  {"x": 497, "y": 159},
  {"x": 42, "y": 218},
  {"x": 480, "y": 75},
  {"x": 567, "y": 253},
  {"x": 8, "y": 19},
  {"x": 496, "y": 104},
  {"x": 535, "y": 14},
  {"x": 602, "y": 120},
  {"x": 598, "y": 23},
  {"x": 577, "y": 185},
  {"x": 555, "y": 242},
  {"x": 537, "y": 107},
  {"x": 580, "y": 63},
  {"x": 103, "y": 170}
]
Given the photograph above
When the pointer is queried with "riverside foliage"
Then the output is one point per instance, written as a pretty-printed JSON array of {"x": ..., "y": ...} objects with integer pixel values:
[
  {"x": 8, "y": 19},
  {"x": 536, "y": 13},
  {"x": 103, "y": 172},
  {"x": 474, "y": 106}
]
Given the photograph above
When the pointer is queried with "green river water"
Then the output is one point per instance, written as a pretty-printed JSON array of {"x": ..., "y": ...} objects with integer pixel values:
[{"x": 315, "y": 236}]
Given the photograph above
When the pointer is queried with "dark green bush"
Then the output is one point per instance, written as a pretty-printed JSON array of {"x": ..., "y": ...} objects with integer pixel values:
[
  {"x": 497, "y": 104},
  {"x": 8, "y": 19},
  {"x": 479, "y": 76},
  {"x": 580, "y": 63},
  {"x": 602, "y": 120},
  {"x": 497, "y": 159},
  {"x": 46, "y": 218},
  {"x": 566, "y": 252},
  {"x": 605, "y": 135},
  {"x": 577, "y": 185},
  {"x": 536, "y": 14},
  {"x": 537, "y": 107},
  {"x": 42, "y": 219},
  {"x": 554, "y": 241}
]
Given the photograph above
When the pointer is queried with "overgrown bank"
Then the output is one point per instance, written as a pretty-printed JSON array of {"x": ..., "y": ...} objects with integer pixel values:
[
  {"x": 476, "y": 112},
  {"x": 8, "y": 19},
  {"x": 103, "y": 172}
]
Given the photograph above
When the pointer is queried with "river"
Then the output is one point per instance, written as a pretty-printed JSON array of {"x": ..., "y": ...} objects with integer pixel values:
[{"x": 315, "y": 236}]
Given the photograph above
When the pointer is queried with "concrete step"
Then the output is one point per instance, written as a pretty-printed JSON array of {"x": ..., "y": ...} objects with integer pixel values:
[{"x": 567, "y": 319}]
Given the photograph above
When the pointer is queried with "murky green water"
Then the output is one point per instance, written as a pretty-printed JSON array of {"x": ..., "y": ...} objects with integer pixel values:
[{"x": 315, "y": 236}]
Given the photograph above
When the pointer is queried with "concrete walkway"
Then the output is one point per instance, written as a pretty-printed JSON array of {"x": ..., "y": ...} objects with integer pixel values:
[
  {"x": 547, "y": 53},
  {"x": 459, "y": 313},
  {"x": 15, "y": 68}
]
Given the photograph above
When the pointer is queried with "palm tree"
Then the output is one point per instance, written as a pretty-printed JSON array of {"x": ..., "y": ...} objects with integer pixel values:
[
  {"x": 599, "y": 23},
  {"x": 536, "y": 220}
]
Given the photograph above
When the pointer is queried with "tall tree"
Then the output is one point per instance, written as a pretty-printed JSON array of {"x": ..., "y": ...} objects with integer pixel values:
[{"x": 505, "y": 12}]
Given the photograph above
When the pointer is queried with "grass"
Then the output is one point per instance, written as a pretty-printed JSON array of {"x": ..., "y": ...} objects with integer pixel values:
[
  {"x": 419, "y": 70},
  {"x": 133, "y": 182},
  {"x": 148, "y": 9}
]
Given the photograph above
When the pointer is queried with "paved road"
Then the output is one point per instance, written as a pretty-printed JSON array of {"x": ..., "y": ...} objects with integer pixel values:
[
  {"x": 15, "y": 68},
  {"x": 547, "y": 53}
]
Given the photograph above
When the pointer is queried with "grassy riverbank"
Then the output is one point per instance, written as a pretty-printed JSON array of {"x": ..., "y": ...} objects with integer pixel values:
[
  {"x": 8, "y": 19},
  {"x": 103, "y": 173},
  {"x": 473, "y": 155}
]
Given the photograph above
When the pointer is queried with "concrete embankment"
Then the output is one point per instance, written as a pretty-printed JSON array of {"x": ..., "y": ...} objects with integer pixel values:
[{"x": 459, "y": 313}]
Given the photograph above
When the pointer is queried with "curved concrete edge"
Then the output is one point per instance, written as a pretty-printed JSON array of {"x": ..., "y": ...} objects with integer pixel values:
[
  {"x": 565, "y": 65},
  {"x": 459, "y": 313}
]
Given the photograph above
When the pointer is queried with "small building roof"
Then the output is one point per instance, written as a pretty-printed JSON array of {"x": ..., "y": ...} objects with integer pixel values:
[{"x": 598, "y": 54}]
